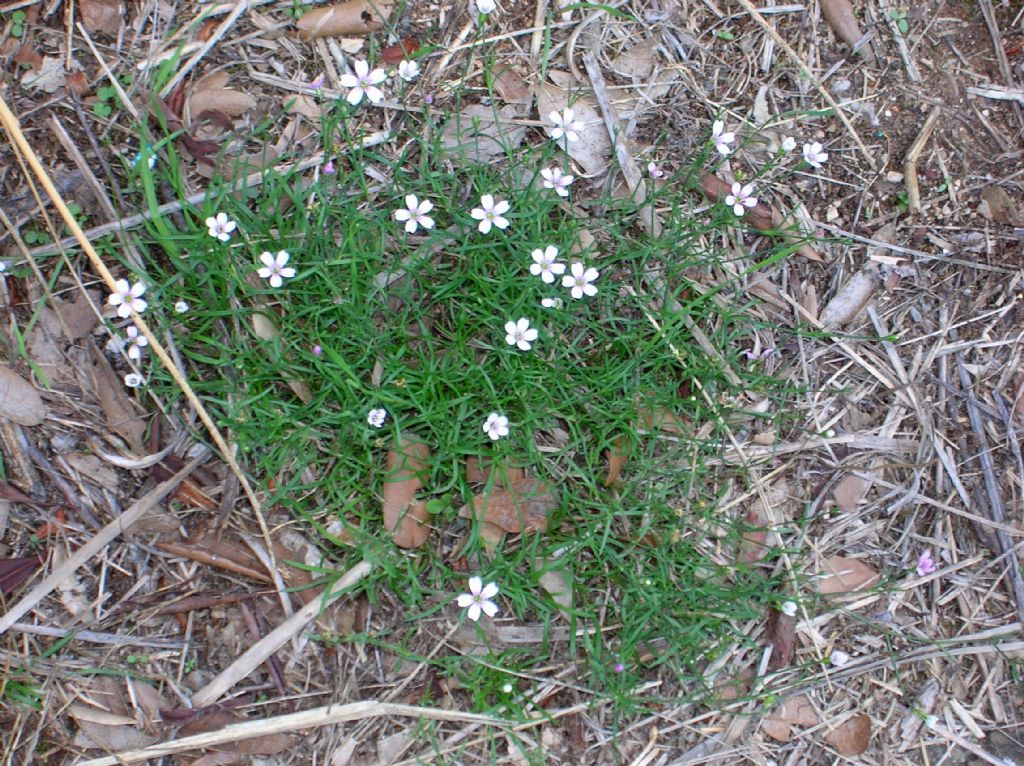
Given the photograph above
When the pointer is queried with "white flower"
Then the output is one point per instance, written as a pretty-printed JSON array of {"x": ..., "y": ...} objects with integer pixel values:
[
  {"x": 520, "y": 334},
  {"x": 721, "y": 139},
  {"x": 546, "y": 265},
  {"x": 486, "y": 6},
  {"x": 551, "y": 303},
  {"x": 789, "y": 608},
  {"x": 555, "y": 179},
  {"x": 221, "y": 227},
  {"x": 654, "y": 171},
  {"x": 579, "y": 280},
  {"x": 275, "y": 268},
  {"x": 815, "y": 154},
  {"x": 741, "y": 198},
  {"x": 3, "y": 267},
  {"x": 408, "y": 70},
  {"x": 181, "y": 307},
  {"x": 133, "y": 380},
  {"x": 479, "y": 598},
  {"x": 839, "y": 658},
  {"x": 363, "y": 83},
  {"x": 490, "y": 213},
  {"x": 376, "y": 417},
  {"x": 496, "y": 426},
  {"x": 788, "y": 144},
  {"x": 127, "y": 298},
  {"x": 566, "y": 125},
  {"x": 136, "y": 342},
  {"x": 415, "y": 213}
]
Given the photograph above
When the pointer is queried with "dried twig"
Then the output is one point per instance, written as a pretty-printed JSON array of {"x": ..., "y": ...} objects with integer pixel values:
[{"x": 910, "y": 164}]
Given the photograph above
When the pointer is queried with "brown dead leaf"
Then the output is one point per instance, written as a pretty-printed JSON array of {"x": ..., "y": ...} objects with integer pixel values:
[
  {"x": 639, "y": 60},
  {"x": 111, "y": 717},
  {"x": 19, "y": 400},
  {"x": 758, "y": 519},
  {"x": 996, "y": 205},
  {"x": 49, "y": 77},
  {"x": 839, "y": 15},
  {"x": 14, "y": 572},
  {"x": 479, "y": 472},
  {"x": 660, "y": 419},
  {"x": 844, "y": 575},
  {"x": 849, "y": 491},
  {"x": 267, "y": 744},
  {"x": 118, "y": 407},
  {"x": 356, "y": 17},
  {"x": 78, "y": 318},
  {"x": 523, "y": 506},
  {"x": 479, "y": 133},
  {"x": 492, "y": 535},
  {"x": 557, "y": 581},
  {"x": 781, "y": 633},
  {"x": 794, "y": 711},
  {"x": 511, "y": 87},
  {"x": 403, "y": 49},
  {"x": 851, "y": 298},
  {"x": 852, "y": 736},
  {"x": 101, "y": 15},
  {"x": 265, "y": 328},
  {"x": 618, "y": 454},
  {"x": 226, "y": 101},
  {"x": 405, "y": 517}
]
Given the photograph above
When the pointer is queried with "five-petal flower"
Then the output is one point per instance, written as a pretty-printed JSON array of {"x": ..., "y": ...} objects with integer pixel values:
[
  {"x": 479, "y": 599},
  {"x": 127, "y": 298},
  {"x": 414, "y": 214},
  {"x": 490, "y": 213},
  {"x": 408, "y": 70},
  {"x": 275, "y": 268},
  {"x": 741, "y": 198},
  {"x": 555, "y": 179},
  {"x": 520, "y": 334},
  {"x": 363, "y": 83},
  {"x": 496, "y": 426},
  {"x": 788, "y": 144},
  {"x": 376, "y": 417},
  {"x": 925, "y": 564},
  {"x": 220, "y": 226},
  {"x": 133, "y": 380},
  {"x": 815, "y": 154},
  {"x": 546, "y": 264},
  {"x": 580, "y": 279},
  {"x": 565, "y": 125},
  {"x": 722, "y": 140},
  {"x": 136, "y": 342}
]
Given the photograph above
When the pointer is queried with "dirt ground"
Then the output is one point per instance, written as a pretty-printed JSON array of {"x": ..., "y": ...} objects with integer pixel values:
[{"x": 919, "y": 397}]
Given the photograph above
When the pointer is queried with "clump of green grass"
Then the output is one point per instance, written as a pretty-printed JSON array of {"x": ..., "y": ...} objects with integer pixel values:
[{"x": 415, "y": 324}]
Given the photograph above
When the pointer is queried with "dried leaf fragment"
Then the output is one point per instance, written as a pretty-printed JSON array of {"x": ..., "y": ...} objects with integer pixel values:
[
  {"x": 19, "y": 400},
  {"x": 227, "y": 101},
  {"x": 404, "y": 516},
  {"x": 356, "y": 17},
  {"x": 523, "y": 506},
  {"x": 839, "y": 15},
  {"x": 101, "y": 15},
  {"x": 781, "y": 632},
  {"x": 793, "y": 711},
  {"x": 849, "y": 491},
  {"x": 852, "y": 736},
  {"x": 844, "y": 575},
  {"x": 618, "y": 454},
  {"x": 851, "y": 298}
]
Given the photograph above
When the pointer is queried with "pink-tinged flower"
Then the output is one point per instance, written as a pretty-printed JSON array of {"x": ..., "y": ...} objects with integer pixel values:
[
  {"x": 317, "y": 82},
  {"x": 136, "y": 342},
  {"x": 579, "y": 280},
  {"x": 546, "y": 264},
  {"x": 376, "y": 417},
  {"x": 741, "y": 198},
  {"x": 220, "y": 226},
  {"x": 133, "y": 380},
  {"x": 788, "y": 144},
  {"x": 654, "y": 171},
  {"x": 479, "y": 599},
  {"x": 925, "y": 564},
  {"x": 414, "y": 214},
  {"x": 839, "y": 658},
  {"x": 722, "y": 140},
  {"x": 520, "y": 334},
  {"x": 618, "y": 667},
  {"x": 565, "y": 125},
  {"x": 496, "y": 426},
  {"x": 317, "y": 350},
  {"x": 275, "y": 268},
  {"x": 486, "y": 6},
  {"x": 363, "y": 83},
  {"x": 127, "y": 298},
  {"x": 815, "y": 154},
  {"x": 555, "y": 179},
  {"x": 328, "y": 168},
  {"x": 408, "y": 70},
  {"x": 490, "y": 213}
]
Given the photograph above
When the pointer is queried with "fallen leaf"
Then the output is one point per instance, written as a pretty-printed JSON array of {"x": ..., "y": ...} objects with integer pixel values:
[
  {"x": 49, "y": 77},
  {"x": 304, "y": 105},
  {"x": 557, "y": 581},
  {"x": 403, "y": 49},
  {"x": 115, "y": 719},
  {"x": 77, "y": 317},
  {"x": 405, "y": 517},
  {"x": 844, "y": 575},
  {"x": 849, "y": 491},
  {"x": 479, "y": 472},
  {"x": 266, "y": 744},
  {"x": 852, "y": 736},
  {"x": 19, "y": 400},
  {"x": 492, "y": 535},
  {"x": 996, "y": 205},
  {"x": 227, "y": 101},
  {"x": 356, "y": 17},
  {"x": 265, "y": 328},
  {"x": 794, "y": 711},
  {"x": 14, "y": 572},
  {"x": 479, "y": 133},
  {"x": 391, "y": 747},
  {"x": 119, "y": 409},
  {"x": 851, "y": 298},
  {"x": 638, "y": 61},
  {"x": 839, "y": 15},
  {"x": 593, "y": 150},
  {"x": 523, "y": 506},
  {"x": 93, "y": 469},
  {"x": 661, "y": 419},
  {"x": 101, "y": 15},
  {"x": 758, "y": 520},
  {"x": 511, "y": 87},
  {"x": 617, "y": 454},
  {"x": 781, "y": 633}
]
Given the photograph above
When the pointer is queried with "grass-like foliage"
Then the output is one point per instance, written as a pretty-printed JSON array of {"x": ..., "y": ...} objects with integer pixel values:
[{"x": 374, "y": 317}]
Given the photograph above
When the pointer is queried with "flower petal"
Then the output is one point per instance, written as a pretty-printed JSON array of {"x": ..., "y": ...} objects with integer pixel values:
[
  {"x": 490, "y": 590},
  {"x": 474, "y": 612},
  {"x": 490, "y": 608}
]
